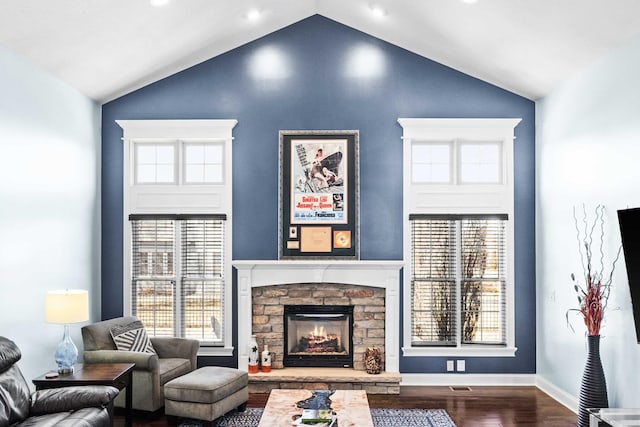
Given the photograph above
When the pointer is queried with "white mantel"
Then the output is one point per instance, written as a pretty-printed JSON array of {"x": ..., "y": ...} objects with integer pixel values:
[{"x": 379, "y": 274}]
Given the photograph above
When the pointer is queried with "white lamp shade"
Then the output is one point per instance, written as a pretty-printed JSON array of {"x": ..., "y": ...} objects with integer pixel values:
[{"x": 68, "y": 306}]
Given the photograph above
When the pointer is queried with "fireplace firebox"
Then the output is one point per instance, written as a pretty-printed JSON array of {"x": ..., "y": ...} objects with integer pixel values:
[{"x": 318, "y": 336}]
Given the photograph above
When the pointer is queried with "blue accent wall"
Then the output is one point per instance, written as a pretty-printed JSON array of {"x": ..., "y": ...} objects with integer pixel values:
[{"x": 319, "y": 74}]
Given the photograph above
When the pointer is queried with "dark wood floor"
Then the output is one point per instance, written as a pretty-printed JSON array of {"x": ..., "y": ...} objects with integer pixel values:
[{"x": 479, "y": 407}]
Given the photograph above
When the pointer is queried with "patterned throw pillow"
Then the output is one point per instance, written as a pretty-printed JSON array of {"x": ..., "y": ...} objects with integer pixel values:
[{"x": 132, "y": 337}]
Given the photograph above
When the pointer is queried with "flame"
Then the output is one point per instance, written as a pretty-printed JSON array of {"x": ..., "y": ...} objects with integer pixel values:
[{"x": 319, "y": 331}]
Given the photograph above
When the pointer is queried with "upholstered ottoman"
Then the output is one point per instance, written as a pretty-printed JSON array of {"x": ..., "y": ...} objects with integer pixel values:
[{"x": 206, "y": 393}]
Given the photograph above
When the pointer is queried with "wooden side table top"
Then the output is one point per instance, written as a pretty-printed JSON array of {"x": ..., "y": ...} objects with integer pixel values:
[
  {"x": 351, "y": 407},
  {"x": 89, "y": 374},
  {"x": 119, "y": 375}
]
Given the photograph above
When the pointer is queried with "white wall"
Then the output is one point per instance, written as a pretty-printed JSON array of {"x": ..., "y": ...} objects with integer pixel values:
[
  {"x": 588, "y": 151},
  {"x": 49, "y": 205}
]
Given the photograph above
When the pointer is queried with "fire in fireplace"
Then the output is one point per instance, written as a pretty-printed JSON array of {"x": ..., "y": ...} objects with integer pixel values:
[{"x": 318, "y": 335}]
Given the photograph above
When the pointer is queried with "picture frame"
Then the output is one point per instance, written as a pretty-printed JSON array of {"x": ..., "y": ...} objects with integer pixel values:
[{"x": 319, "y": 194}]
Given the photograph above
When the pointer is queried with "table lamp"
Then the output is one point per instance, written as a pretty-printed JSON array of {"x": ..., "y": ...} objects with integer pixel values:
[{"x": 64, "y": 307}]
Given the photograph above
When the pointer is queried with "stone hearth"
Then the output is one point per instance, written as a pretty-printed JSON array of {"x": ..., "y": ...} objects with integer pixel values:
[
  {"x": 325, "y": 379},
  {"x": 371, "y": 286}
]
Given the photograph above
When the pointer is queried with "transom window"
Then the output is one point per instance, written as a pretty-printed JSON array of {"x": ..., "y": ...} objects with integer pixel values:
[
  {"x": 431, "y": 162},
  {"x": 158, "y": 163},
  {"x": 203, "y": 163},
  {"x": 155, "y": 163},
  {"x": 480, "y": 163},
  {"x": 456, "y": 162}
]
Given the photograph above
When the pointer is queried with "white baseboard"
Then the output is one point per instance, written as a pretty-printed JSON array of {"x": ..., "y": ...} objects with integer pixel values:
[
  {"x": 468, "y": 379},
  {"x": 557, "y": 393},
  {"x": 458, "y": 379}
]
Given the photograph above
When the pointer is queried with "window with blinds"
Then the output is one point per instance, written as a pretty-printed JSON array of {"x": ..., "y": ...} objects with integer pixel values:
[
  {"x": 178, "y": 275},
  {"x": 458, "y": 279}
]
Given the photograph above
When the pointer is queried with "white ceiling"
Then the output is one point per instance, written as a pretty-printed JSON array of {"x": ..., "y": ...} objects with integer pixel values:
[{"x": 107, "y": 48}]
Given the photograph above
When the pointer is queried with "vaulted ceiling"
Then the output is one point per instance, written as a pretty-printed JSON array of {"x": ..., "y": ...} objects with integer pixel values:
[{"x": 107, "y": 48}]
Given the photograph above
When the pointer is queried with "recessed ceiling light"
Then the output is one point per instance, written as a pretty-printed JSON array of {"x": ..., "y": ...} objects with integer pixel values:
[
  {"x": 253, "y": 15},
  {"x": 470, "y": 1},
  {"x": 158, "y": 3},
  {"x": 378, "y": 11}
]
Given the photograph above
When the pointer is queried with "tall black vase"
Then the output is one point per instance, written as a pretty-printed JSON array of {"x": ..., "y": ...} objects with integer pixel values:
[{"x": 593, "y": 390}]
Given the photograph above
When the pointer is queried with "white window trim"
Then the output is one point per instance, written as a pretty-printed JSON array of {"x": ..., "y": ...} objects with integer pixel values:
[
  {"x": 421, "y": 198},
  {"x": 178, "y": 198}
]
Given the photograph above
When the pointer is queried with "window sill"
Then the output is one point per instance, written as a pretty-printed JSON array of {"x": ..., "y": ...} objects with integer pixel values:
[
  {"x": 215, "y": 351},
  {"x": 475, "y": 351}
]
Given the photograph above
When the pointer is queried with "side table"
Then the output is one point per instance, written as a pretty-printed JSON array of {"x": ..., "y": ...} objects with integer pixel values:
[
  {"x": 614, "y": 417},
  {"x": 119, "y": 375}
]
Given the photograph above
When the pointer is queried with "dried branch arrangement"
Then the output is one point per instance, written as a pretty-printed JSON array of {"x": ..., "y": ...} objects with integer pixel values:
[{"x": 593, "y": 295}]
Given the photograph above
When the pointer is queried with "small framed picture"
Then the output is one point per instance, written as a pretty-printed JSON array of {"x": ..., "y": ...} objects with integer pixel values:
[
  {"x": 341, "y": 239},
  {"x": 315, "y": 239}
]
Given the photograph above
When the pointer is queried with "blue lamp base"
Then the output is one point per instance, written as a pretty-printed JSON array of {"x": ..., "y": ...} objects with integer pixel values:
[{"x": 66, "y": 354}]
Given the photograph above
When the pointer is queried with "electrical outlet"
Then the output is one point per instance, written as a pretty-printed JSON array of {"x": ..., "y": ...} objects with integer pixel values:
[
  {"x": 450, "y": 366},
  {"x": 461, "y": 365}
]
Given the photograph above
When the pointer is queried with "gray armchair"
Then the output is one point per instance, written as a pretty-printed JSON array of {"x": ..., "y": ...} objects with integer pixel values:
[{"x": 175, "y": 357}]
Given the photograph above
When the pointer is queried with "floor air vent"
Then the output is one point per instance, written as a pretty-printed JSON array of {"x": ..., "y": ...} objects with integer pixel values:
[{"x": 460, "y": 388}]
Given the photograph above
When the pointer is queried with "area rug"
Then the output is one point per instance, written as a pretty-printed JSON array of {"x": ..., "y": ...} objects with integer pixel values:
[{"x": 381, "y": 418}]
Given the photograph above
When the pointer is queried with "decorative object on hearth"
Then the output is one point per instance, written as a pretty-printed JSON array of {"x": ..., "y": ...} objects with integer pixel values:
[
  {"x": 373, "y": 360},
  {"x": 66, "y": 306},
  {"x": 592, "y": 300},
  {"x": 266, "y": 359},
  {"x": 253, "y": 355}
]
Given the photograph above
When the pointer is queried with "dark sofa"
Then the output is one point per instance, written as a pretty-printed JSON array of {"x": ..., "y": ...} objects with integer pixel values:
[{"x": 61, "y": 407}]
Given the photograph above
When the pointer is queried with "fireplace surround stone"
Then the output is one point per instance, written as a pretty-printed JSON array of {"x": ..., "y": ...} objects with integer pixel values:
[{"x": 368, "y": 314}]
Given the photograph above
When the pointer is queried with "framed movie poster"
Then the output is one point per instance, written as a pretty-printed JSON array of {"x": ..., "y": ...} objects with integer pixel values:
[{"x": 319, "y": 199}]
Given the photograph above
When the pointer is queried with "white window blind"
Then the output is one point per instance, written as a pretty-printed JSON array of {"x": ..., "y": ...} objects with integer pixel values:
[
  {"x": 177, "y": 284},
  {"x": 203, "y": 278},
  {"x": 153, "y": 275},
  {"x": 458, "y": 279}
]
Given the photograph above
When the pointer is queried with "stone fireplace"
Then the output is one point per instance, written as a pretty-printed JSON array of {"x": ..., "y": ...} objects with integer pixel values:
[
  {"x": 368, "y": 317},
  {"x": 370, "y": 287}
]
